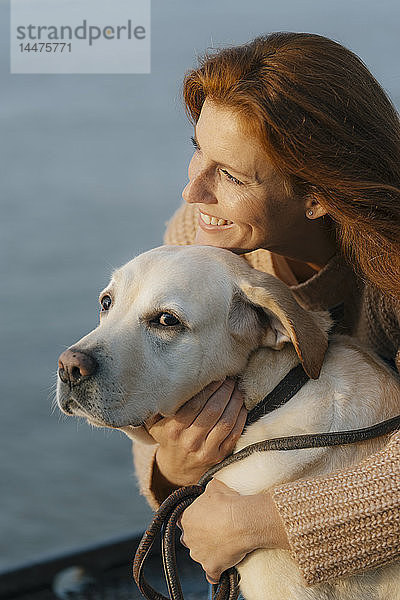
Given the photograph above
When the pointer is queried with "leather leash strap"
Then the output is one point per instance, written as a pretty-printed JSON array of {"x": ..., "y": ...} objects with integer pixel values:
[{"x": 169, "y": 512}]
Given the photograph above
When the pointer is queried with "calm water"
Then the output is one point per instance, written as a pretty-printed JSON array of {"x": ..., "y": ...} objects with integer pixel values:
[{"x": 91, "y": 168}]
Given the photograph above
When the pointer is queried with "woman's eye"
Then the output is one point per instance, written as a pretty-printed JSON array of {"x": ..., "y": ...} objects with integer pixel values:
[
  {"x": 168, "y": 319},
  {"x": 231, "y": 177},
  {"x": 105, "y": 302},
  {"x": 195, "y": 143}
]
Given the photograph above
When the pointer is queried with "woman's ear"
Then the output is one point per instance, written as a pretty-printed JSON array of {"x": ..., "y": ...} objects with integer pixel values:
[{"x": 313, "y": 209}]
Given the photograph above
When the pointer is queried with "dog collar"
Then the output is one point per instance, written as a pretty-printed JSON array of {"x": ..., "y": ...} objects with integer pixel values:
[{"x": 282, "y": 393}]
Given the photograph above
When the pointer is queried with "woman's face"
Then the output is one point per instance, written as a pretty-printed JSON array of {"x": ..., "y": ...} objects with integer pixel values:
[{"x": 242, "y": 199}]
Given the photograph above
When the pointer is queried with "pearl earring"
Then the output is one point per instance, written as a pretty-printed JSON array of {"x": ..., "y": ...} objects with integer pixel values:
[{"x": 310, "y": 213}]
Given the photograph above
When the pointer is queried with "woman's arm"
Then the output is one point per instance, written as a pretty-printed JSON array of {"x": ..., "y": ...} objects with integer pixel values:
[
  {"x": 335, "y": 526},
  {"x": 347, "y": 522}
]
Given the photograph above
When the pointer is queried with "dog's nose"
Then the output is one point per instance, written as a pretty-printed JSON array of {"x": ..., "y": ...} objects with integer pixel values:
[{"x": 73, "y": 366}]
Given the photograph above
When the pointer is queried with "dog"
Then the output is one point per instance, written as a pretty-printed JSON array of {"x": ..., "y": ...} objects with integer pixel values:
[{"x": 178, "y": 317}]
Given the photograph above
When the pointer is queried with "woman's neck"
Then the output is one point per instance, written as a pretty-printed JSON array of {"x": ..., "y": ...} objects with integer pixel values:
[{"x": 309, "y": 254}]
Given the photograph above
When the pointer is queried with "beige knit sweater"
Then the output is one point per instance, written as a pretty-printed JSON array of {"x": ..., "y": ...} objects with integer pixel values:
[{"x": 348, "y": 521}]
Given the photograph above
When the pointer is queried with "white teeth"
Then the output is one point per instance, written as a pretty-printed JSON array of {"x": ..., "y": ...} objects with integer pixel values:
[{"x": 214, "y": 221}]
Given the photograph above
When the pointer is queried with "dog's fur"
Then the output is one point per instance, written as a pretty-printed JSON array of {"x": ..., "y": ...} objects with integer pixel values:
[{"x": 236, "y": 321}]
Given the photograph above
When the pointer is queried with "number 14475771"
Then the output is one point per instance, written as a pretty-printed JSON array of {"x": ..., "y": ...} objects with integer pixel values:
[{"x": 46, "y": 47}]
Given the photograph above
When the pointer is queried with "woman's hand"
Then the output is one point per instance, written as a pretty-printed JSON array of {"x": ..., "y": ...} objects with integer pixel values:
[
  {"x": 221, "y": 527},
  {"x": 202, "y": 433}
]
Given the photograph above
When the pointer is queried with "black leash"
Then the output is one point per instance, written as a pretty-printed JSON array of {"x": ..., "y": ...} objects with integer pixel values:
[{"x": 169, "y": 512}]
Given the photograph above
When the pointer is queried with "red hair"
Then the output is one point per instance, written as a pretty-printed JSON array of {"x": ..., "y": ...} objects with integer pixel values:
[{"x": 328, "y": 127}]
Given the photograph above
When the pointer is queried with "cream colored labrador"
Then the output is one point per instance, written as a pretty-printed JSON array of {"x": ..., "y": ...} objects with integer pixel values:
[{"x": 176, "y": 318}]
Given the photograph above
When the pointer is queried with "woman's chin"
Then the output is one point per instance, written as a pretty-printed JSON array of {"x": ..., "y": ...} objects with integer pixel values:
[
  {"x": 214, "y": 238},
  {"x": 219, "y": 241}
]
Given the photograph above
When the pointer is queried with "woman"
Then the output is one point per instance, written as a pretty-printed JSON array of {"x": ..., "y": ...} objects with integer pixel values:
[{"x": 297, "y": 166}]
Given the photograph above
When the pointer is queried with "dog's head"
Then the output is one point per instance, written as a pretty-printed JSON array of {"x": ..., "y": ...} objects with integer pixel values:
[{"x": 172, "y": 320}]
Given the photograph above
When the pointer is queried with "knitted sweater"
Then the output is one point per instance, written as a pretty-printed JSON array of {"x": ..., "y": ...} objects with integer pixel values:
[{"x": 349, "y": 521}]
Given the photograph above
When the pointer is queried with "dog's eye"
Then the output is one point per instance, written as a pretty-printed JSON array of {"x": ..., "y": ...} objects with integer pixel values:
[
  {"x": 167, "y": 319},
  {"x": 105, "y": 302}
]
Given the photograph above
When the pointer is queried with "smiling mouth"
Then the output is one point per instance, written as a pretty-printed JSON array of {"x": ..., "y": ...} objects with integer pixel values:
[{"x": 214, "y": 222}]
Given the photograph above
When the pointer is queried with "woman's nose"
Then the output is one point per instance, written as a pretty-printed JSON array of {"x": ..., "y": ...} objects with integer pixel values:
[
  {"x": 199, "y": 190},
  {"x": 200, "y": 186}
]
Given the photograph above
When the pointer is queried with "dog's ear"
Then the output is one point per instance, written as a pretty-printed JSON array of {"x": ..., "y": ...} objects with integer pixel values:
[{"x": 286, "y": 321}]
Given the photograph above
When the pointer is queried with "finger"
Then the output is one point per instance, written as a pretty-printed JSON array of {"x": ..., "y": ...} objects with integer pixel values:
[
  {"x": 227, "y": 421},
  {"x": 229, "y": 443},
  {"x": 217, "y": 486},
  {"x": 191, "y": 409},
  {"x": 214, "y": 407}
]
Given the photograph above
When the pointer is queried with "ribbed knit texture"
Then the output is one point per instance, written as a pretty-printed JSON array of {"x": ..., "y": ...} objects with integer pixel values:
[{"x": 349, "y": 521}]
